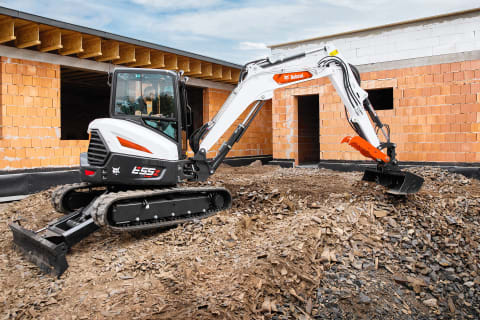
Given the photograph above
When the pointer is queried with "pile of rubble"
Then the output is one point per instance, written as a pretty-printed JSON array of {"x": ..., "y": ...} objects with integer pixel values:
[{"x": 297, "y": 243}]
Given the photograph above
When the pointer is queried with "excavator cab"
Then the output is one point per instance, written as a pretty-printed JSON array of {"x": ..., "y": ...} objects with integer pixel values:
[{"x": 148, "y": 98}]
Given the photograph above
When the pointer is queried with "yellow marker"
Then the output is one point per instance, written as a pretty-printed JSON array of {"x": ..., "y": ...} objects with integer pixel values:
[{"x": 334, "y": 52}]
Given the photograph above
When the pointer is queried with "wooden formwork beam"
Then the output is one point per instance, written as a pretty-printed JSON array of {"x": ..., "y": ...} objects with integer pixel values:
[
  {"x": 226, "y": 74},
  {"x": 91, "y": 48},
  {"x": 142, "y": 58},
  {"x": 235, "y": 75},
  {"x": 207, "y": 70},
  {"x": 195, "y": 68},
  {"x": 7, "y": 30},
  {"x": 72, "y": 43},
  {"x": 127, "y": 55},
  {"x": 50, "y": 40},
  {"x": 171, "y": 62},
  {"x": 110, "y": 51},
  {"x": 27, "y": 36},
  {"x": 217, "y": 72},
  {"x": 184, "y": 64},
  {"x": 157, "y": 59}
]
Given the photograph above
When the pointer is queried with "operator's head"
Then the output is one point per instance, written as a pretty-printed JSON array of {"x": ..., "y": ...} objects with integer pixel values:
[{"x": 148, "y": 93}]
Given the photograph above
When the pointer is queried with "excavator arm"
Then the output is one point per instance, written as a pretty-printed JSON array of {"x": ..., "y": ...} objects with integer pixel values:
[{"x": 260, "y": 78}]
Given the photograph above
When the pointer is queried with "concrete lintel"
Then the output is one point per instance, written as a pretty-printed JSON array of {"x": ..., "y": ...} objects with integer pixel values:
[
  {"x": 55, "y": 59},
  {"x": 90, "y": 65},
  {"x": 209, "y": 84},
  {"x": 421, "y": 61}
]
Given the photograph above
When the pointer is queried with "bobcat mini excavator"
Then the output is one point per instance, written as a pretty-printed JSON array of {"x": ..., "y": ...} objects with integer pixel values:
[{"x": 137, "y": 157}]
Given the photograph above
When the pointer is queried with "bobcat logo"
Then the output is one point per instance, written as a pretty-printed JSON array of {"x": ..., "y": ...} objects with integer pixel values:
[{"x": 116, "y": 171}]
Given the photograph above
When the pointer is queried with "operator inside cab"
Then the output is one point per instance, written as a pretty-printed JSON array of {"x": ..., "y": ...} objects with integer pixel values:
[
  {"x": 149, "y": 96},
  {"x": 146, "y": 101}
]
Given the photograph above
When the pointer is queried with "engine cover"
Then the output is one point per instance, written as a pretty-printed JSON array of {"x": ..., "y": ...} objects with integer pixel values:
[{"x": 123, "y": 169}]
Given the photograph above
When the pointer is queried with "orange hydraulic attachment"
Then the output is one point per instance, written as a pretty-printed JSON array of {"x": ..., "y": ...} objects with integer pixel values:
[{"x": 366, "y": 148}]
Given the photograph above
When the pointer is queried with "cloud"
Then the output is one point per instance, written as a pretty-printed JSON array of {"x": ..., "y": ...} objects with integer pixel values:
[
  {"x": 177, "y": 5},
  {"x": 235, "y": 31},
  {"x": 247, "y": 45}
]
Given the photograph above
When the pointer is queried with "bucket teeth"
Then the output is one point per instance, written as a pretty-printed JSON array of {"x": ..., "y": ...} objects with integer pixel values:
[{"x": 398, "y": 182}]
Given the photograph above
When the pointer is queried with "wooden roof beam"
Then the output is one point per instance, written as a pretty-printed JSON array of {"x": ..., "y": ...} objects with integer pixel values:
[
  {"x": 27, "y": 36},
  {"x": 110, "y": 51},
  {"x": 184, "y": 64},
  {"x": 226, "y": 74},
  {"x": 7, "y": 30},
  {"x": 157, "y": 59},
  {"x": 50, "y": 40},
  {"x": 195, "y": 68},
  {"x": 72, "y": 43},
  {"x": 171, "y": 62},
  {"x": 127, "y": 55},
  {"x": 207, "y": 70},
  {"x": 235, "y": 76},
  {"x": 217, "y": 72},
  {"x": 142, "y": 58},
  {"x": 91, "y": 48}
]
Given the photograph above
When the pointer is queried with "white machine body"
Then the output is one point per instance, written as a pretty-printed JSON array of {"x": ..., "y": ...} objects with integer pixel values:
[{"x": 159, "y": 146}]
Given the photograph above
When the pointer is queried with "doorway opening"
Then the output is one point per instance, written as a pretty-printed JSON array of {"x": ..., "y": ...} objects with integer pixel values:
[
  {"x": 84, "y": 97},
  {"x": 308, "y": 129},
  {"x": 195, "y": 101}
]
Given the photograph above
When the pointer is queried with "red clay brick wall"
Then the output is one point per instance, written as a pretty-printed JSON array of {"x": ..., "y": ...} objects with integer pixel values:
[
  {"x": 30, "y": 117},
  {"x": 30, "y": 120},
  {"x": 258, "y": 138},
  {"x": 436, "y": 115}
]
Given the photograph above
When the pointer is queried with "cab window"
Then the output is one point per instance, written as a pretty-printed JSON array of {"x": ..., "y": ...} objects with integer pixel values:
[{"x": 149, "y": 96}]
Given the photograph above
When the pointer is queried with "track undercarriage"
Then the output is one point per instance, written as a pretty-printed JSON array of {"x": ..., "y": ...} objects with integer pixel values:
[{"x": 87, "y": 207}]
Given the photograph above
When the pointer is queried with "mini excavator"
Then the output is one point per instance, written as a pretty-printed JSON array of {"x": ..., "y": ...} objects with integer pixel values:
[{"x": 137, "y": 157}]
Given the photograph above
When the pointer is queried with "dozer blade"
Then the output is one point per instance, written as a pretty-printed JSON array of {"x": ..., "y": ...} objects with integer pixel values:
[
  {"x": 48, "y": 255},
  {"x": 398, "y": 182},
  {"x": 49, "y": 251}
]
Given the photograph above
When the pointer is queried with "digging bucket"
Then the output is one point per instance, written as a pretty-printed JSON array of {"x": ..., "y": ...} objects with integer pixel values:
[{"x": 398, "y": 182}]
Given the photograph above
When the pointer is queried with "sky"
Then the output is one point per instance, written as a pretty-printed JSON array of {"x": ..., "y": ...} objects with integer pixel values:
[{"x": 234, "y": 31}]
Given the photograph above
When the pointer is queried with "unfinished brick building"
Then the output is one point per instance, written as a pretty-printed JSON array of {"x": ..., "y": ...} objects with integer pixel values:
[
  {"x": 54, "y": 82},
  {"x": 423, "y": 77}
]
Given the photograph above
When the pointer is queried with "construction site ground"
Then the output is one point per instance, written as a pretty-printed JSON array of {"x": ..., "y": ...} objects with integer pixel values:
[{"x": 297, "y": 243}]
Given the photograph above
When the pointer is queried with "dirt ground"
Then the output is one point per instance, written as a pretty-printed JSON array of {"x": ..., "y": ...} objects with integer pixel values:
[{"x": 297, "y": 243}]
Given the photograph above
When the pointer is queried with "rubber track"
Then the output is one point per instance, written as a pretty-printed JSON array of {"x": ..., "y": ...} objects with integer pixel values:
[
  {"x": 102, "y": 204},
  {"x": 59, "y": 193}
]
